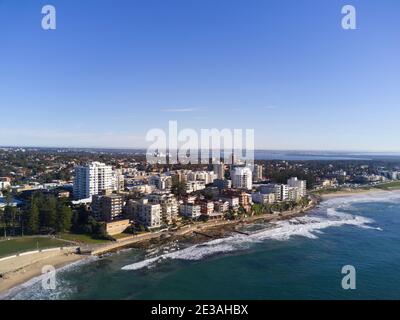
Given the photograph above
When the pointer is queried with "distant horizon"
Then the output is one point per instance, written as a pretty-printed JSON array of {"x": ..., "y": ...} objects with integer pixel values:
[
  {"x": 112, "y": 71},
  {"x": 352, "y": 152}
]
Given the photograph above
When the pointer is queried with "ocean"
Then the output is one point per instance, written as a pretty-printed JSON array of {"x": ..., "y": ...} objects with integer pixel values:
[{"x": 297, "y": 259}]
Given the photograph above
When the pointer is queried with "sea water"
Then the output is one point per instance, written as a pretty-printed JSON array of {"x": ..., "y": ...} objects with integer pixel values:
[{"x": 297, "y": 259}]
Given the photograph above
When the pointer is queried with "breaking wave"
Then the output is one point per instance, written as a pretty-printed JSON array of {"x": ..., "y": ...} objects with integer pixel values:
[{"x": 327, "y": 215}]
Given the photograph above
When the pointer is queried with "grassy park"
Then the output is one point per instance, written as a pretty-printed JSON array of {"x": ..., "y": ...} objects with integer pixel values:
[
  {"x": 395, "y": 185},
  {"x": 18, "y": 245},
  {"x": 81, "y": 238}
]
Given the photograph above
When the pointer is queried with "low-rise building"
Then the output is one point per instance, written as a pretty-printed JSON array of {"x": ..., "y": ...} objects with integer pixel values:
[
  {"x": 281, "y": 191},
  {"x": 263, "y": 198},
  {"x": 206, "y": 207},
  {"x": 145, "y": 213},
  {"x": 190, "y": 210},
  {"x": 169, "y": 206},
  {"x": 5, "y": 183},
  {"x": 223, "y": 184},
  {"x": 233, "y": 201},
  {"x": 117, "y": 227},
  {"x": 221, "y": 206},
  {"x": 294, "y": 194},
  {"x": 161, "y": 182},
  {"x": 192, "y": 186},
  {"x": 244, "y": 197}
]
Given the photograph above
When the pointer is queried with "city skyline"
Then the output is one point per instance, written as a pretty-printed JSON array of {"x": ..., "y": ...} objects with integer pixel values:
[{"x": 106, "y": 76}]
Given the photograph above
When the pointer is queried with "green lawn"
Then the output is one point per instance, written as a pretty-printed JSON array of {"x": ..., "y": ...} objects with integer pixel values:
[
  {"x": 389, "y": 186},
  {"x": 81, "y": 238},
  {"x": 18, "y": 245}
]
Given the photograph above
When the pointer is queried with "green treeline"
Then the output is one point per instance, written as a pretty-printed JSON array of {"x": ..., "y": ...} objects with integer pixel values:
[{"x": 47, "y": 214}]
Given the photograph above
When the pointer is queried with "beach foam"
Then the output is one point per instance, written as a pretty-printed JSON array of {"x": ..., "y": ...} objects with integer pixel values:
[
  {"x": 327, "y": 215},
  {"x": 33, "y": 290}
]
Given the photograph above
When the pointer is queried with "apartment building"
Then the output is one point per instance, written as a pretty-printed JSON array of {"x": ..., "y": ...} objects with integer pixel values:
[
  {"x": 169, "y": 206},
  {"x": 242, "y": 178},
  {"x": 145, "y": 213},
  {"x": 92, "y": 179},
  {"x": 258, "y": 172},
  {"x": 281, "y": 191},
  {"x": 190, "y": 210},
  {"x": 300, "y": 184},
  {"x": 263, "y": 198},
  {"x": 107, "y": 207}
]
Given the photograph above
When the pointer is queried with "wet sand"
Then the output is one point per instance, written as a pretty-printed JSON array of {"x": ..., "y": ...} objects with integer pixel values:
[{"x": 17, "y": 276}]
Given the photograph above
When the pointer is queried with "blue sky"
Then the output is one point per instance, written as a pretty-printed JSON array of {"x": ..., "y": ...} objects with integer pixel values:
[{"x": 115, "y": 69}]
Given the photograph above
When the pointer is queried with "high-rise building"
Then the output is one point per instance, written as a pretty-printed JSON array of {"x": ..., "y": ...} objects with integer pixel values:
[
  {"x": 219, "y": 169},
  {"x": 300, "y": 184},
  {"x": 258, "y": 172},
  {"x": 92, "y": 179},
  {"x": 118, "y": 180},
  {"x": 242, "y": 178}
]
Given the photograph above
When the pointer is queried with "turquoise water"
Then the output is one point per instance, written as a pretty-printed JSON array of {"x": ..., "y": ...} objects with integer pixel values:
[{"x": 298, "y": 259}]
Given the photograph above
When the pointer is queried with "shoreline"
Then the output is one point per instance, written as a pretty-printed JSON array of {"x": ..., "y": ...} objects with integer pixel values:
[
  {"x": 354, "y": 192},
  {"x": 15, "y": 278},
  {"x": 216, "y": 229}
]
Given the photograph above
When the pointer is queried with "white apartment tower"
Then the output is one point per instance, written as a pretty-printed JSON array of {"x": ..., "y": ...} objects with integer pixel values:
[
  {"x": 92, "y": 179},
  {"x": 242, "y": 178},
  {"x": 258, "y": 172},
  {"x": 300, "y": 184},
  {"x": 281, "y": 191}
]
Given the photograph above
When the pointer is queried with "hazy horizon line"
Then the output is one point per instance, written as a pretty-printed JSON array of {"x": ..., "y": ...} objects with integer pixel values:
[{"x": 256, "y": 149}]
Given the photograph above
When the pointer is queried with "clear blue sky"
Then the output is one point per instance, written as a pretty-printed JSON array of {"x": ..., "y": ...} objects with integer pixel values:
[{"x": 115, "y": 69}]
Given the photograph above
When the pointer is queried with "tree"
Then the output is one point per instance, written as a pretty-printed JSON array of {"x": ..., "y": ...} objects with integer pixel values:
[
  {"x": 32, "y": 219},
  {"x": 3, "y": 221},
  {"x": 10, "y": 217},
  {"x": 48, "y": 213},
  {"x": 178, "y": 188},
  {"x": 64, "y": 218},
  {"x": 80, "y": 219},
  {"x": 7, "y": 196},
  {"x": 257, "y": 209}
]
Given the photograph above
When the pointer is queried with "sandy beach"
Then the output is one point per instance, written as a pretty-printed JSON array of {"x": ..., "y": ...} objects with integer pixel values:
[
  {"x": 21, "y": 269},
  {"x": 13, "y": 275},
  {"x": 352, "y": 192}
]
